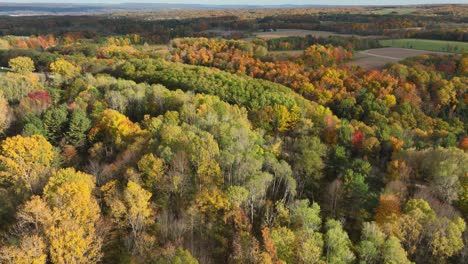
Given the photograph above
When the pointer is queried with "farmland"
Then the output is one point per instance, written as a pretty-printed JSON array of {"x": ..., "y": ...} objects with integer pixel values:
[
  {"x": 378, "y": 58},
  {"x": 280, "y": 33},
  {"x": 396, "y": 10},
  {"x": 424, "y": 44}
]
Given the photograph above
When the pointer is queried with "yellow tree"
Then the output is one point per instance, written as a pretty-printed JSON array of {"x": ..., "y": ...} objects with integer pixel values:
[
  {"x": 71, "y": 235},
  {"x": 26, "y": 160},
  {"x": 64, "y": 68},
  {"x": 115, "y": 128},
  {"x": 30, "y": 251},
  {"x": 447, "y": 240},
  {"x": 463, "y": 68},
  {"x": 5, "y": 114},
  {"x": 138, "y": 213},
  {"x": 34, "y": 214},
  {"x": 389, "y": 207},
  {"x": 21, "y": 65},
  {"x": 130, "y": 209},
  {"x": 153, "y": 169}
]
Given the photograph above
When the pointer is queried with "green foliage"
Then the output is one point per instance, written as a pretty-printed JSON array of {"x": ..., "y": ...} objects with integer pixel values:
[
  {"x": 55, "y": 121},
  {"x": 153, "y": 169},
  {"x": 376, "y": 247},
  {"x": 78, "y": 128},
  {"x": 33, "y": 125},
  {"x": 337, "y": 244},
  {"x": 181, "y": 256},
  {"x": 305, "y": 217},
  {"x": 284, "y": 240},
  {"x": 250, "y": 93},
  {"x": 425, "y": 44}
]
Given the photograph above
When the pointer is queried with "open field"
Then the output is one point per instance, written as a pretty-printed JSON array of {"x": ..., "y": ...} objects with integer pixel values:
[
  {"x": 280, "y": 33},
  {"x": 395, "y": 10},
  {"x": 424, "y": 44},
  {"x": 378, "y": 58},
  {"x": 287, "y": 52}
]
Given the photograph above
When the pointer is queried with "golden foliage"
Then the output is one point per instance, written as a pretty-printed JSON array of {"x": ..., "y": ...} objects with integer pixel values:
[{"x": 26, "y": 160}]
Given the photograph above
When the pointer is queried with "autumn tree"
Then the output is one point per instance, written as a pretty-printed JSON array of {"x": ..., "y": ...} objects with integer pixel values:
[
  {"x": 63, "y": 222},
  {"x": 34, "y": 215},
  {"x": 306, "y": 222},
  {"x": 64, "y": 68},
  {"x": 130, "y": 209},
  {"x": 389, "y": 206},
  {"x": 26, "y": 160},
  {"x": 32, "y": 250},
  {"x": 138, "y": 207},
  {"x": 114, "y": 128},
  {"x": 21, "y": 65},
  {"x": 153, "y": 169},
  {"x": 5, "y": 114},
  {"x": 36, "y": 102},
  {"x": 463, "y": 67},
  {"x": 447, "y": 239},
  {"x": 72, "y": 234},
  {"x": 284, "y": 242},
  {"x": 420, "y": 229}
]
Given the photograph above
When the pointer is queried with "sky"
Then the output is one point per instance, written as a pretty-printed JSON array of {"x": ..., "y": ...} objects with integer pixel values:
[{"x": 252, "y": 2}]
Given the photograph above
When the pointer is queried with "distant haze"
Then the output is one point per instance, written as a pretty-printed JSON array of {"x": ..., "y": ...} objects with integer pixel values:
[{"x": 249, "y": 2}]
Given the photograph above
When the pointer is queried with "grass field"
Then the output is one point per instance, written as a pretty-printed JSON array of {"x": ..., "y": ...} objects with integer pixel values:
[
  {"x": 398, "y": 10},
  {"x": 280, "y": 33},
  {"x": 425, "y": 44}
]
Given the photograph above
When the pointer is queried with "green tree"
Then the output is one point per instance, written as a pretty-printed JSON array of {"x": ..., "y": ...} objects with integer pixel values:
[
  {"x": 309, "y": 162},
  {"x": 310, "y": 249},
  {"x": 372, "y": 240},
  {"x": 393, "y": 252},
  {"x": 337, "y": 244},
  {"x": 284, "y": 241},
  {"x": 153, "y": 169},
  {"x": 55, "y": 120},
  {"x": 180, "y": 256},
  {"x": 447, "y": 239},
  {"x": 33, "y": 125},
  {"x": 78, "y": 127},
  {"x": 306, "y": 217}
]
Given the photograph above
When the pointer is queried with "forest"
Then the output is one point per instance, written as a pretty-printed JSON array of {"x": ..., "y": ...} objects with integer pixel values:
[{"x": 127, "y": 139}]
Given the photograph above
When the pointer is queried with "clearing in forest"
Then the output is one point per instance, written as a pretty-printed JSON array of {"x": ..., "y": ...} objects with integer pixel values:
[
  {"x": 378, "y": 58},
  {"x": 427, "y": 44}
]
